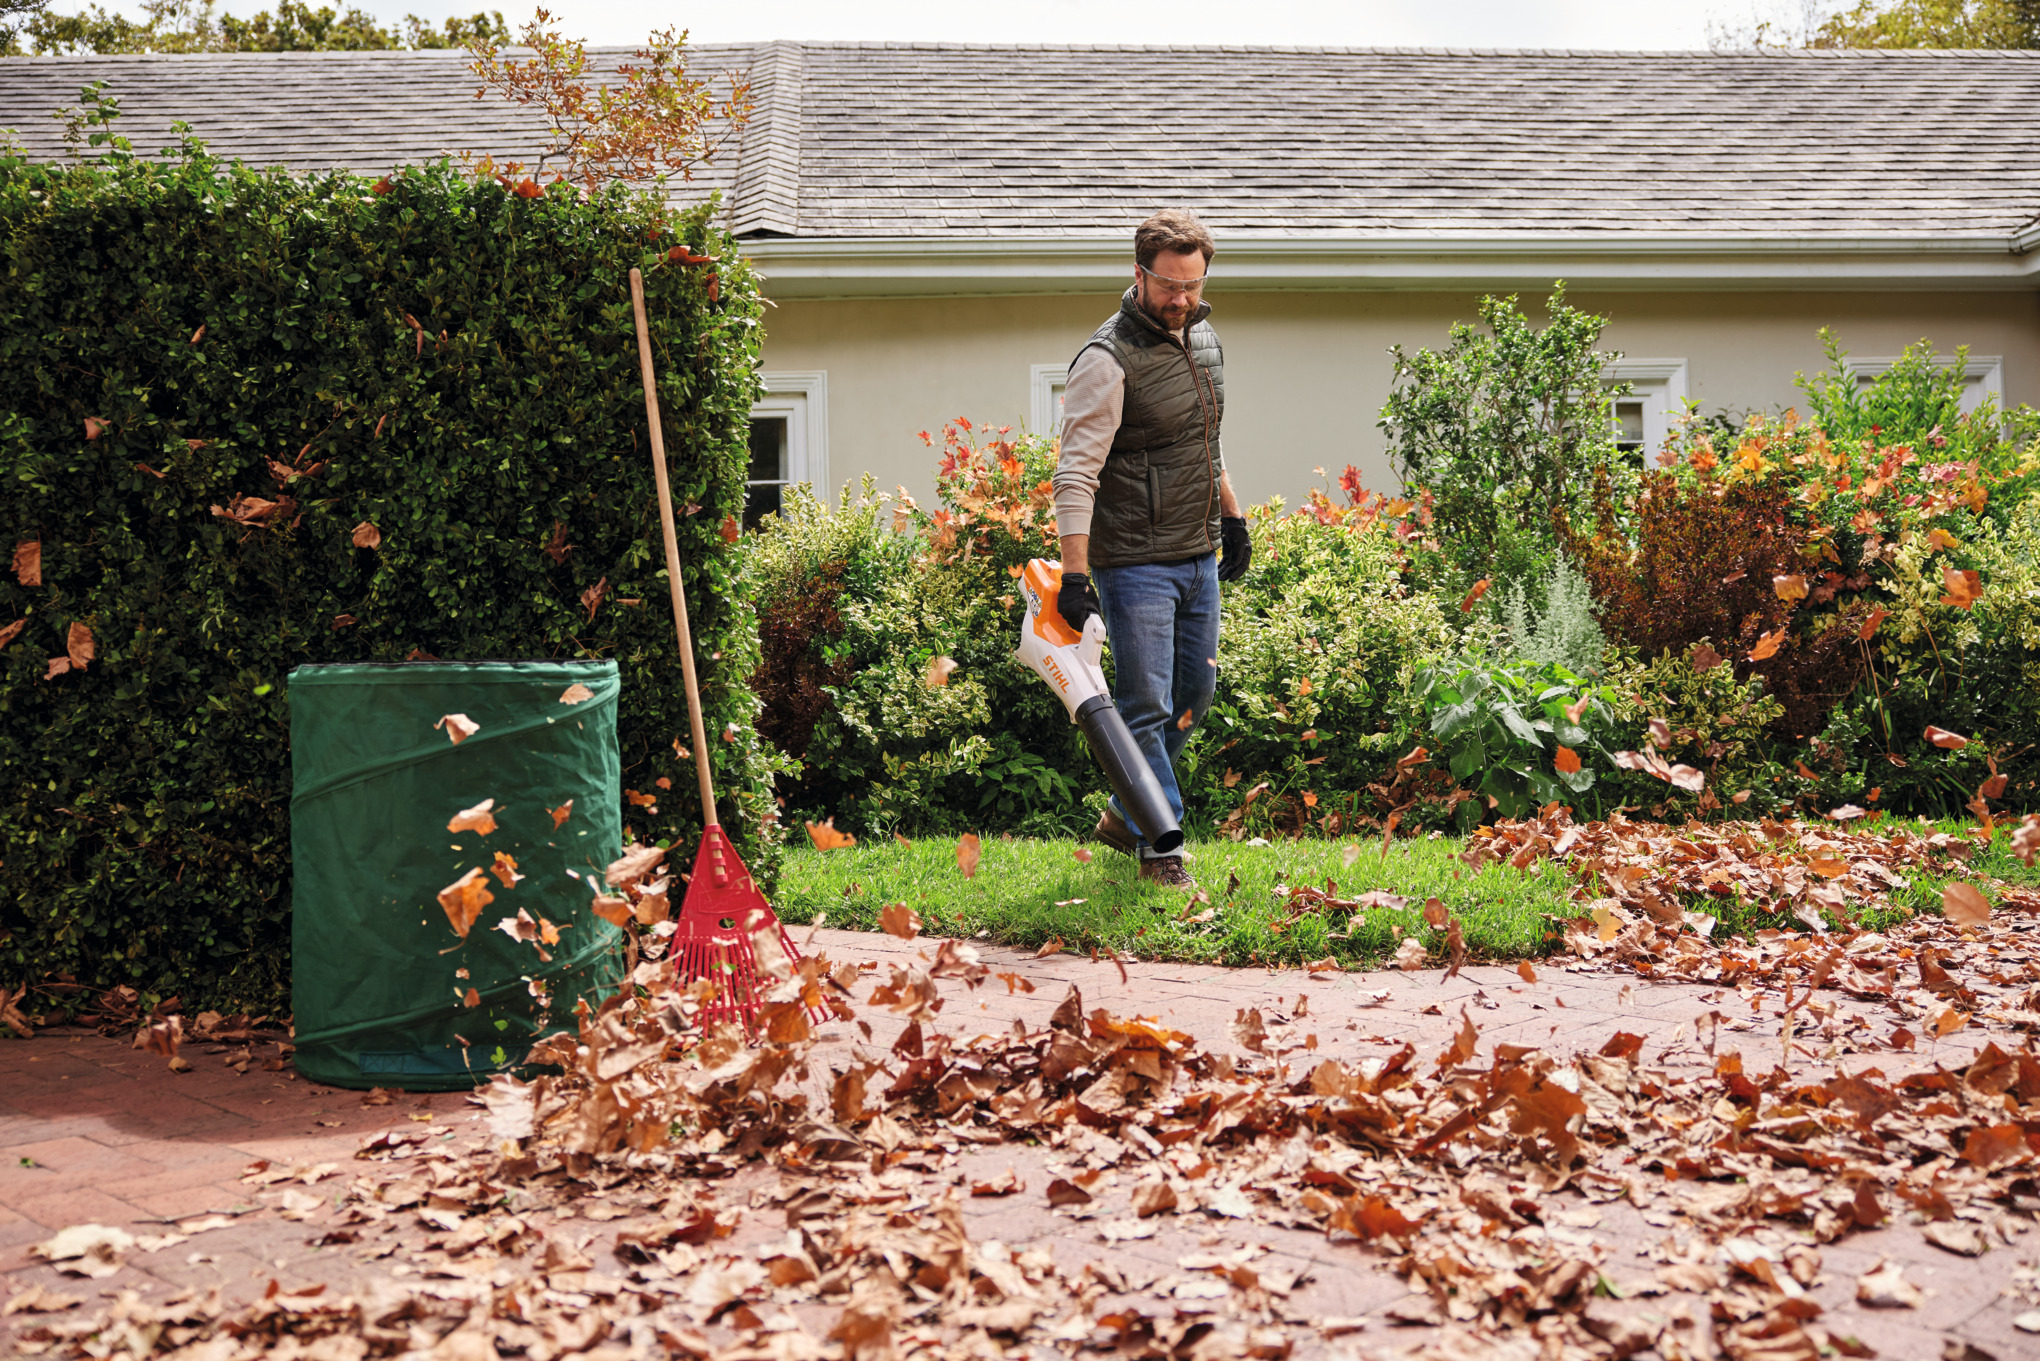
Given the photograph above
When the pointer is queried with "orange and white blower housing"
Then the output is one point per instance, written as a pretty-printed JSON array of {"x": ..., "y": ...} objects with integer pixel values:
[{"x": 1069, "y": 662}]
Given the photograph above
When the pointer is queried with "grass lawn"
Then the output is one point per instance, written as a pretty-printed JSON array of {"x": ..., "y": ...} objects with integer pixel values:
[{"x": 1028, "y": 892}]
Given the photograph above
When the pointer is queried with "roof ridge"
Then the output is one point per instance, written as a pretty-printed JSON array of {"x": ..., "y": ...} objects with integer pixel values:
[{"x": 765, "y": 200}]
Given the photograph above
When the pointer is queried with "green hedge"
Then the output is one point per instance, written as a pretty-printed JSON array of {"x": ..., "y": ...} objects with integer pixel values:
[{"x": 229, "y": 326}]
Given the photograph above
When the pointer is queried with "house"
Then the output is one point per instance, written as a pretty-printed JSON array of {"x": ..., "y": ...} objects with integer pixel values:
[{"x": 942, "y": 226}]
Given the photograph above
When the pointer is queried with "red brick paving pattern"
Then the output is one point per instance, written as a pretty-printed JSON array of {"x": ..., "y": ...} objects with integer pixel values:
[{"x": 93, "y": 1131}]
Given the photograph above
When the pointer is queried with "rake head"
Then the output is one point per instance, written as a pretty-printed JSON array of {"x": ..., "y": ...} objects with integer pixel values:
[{"x": 715, "y": 936}]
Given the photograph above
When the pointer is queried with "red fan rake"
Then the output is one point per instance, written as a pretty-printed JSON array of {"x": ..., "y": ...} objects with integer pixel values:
[{"x": 724, "y": 917}]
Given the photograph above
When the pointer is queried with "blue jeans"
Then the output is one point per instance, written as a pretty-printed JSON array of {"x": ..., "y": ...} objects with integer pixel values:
[{"x": 1162, "y": 622}]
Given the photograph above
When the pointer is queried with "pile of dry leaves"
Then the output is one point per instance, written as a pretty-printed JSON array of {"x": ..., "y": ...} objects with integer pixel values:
[{"x": 796, "y": 1195}]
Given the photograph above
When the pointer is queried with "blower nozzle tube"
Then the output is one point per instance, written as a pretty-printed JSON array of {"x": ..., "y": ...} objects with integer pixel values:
[
  {"x": 1129, "y": 774},
  {"x": 1069, "y": 662}
]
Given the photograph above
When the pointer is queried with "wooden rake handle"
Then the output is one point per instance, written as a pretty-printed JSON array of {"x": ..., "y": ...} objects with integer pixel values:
[{"x": 694, "y": 725}]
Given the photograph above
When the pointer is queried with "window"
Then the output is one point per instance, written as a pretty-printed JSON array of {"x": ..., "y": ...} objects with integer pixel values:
[
  {"x": 1657, "y": 395},
  {"x": 1045, "y": 410},
  {"x": 1982, "y": 377},
  {"x": 789, "y": 441}
]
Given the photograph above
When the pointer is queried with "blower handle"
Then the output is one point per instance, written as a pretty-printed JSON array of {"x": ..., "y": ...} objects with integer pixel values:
[{"x": 694, "y": 724}]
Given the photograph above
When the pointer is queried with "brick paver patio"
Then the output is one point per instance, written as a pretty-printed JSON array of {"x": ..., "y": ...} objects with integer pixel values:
[{"x": 95, "y": 1131}]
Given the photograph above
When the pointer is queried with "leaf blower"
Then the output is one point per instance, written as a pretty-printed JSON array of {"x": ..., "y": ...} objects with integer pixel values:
[{"x": 1068, "y": 661}]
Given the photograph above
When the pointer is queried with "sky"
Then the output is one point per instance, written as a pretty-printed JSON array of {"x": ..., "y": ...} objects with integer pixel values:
[{"x": 1600, "y": 24}]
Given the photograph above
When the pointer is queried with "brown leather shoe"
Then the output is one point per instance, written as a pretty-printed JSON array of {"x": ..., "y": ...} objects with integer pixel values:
[
  {"x": 1168, "y": 871},
  {"x": 1113, "y": 831}
]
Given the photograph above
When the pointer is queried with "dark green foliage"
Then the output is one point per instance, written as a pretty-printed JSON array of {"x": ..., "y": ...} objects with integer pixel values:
[
  {"x": 243, "y": 334},
  {"x": 1508, "y": 429},
  {"x": 1501, "y": 726}
]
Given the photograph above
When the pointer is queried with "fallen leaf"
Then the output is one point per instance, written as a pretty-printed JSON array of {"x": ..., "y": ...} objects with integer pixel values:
[
  {"x": 1410, "y": 955},
  {"x": 343, "y": 621},
  {"x": 1956, "y": 1236},
  {"x": 1480, "y": 588},
  {"x": 576, "y": 693},
  {"x": 1183, "y": 723},
  {"x": 1993, "y": 1146},
  {"x": 1704, "y": 659},
  {"x": 12, "y": 631},
  {"x": 560, "y": 814},
  {"x": 1848, "y": 812},
  {"x": 731, "y": 530},
  {"x": 1660, "y": 734},
  {"x": 505, "y": 869},
  {"x": 1083, "y": 855},
  {"x": 367, "y": 535},
  {"x": 86, "y": 1250},
  {"x": 1768, "y": 645},
  {"x": 967, "y": 851},
  {"x": 1963, "y": 905},
  {"x": 614, "y": 910},
  {"x": 1869, "y": 629},
  {"x": 1525, "y": 972},
  {"x": 1007, "y": 1185},
  {"x": 28, "y": 562},
  {"x": 459, "y": 727},
  {"x": 58, "y": 666},
  {"x": 1947, "y": 741},
  {"x": 94, "y": 427},
  {"x": 1885, "y": 1287},
  {"x": 475, "y": 819},
  {"x": 1688, "y": 778},
  {"x": 471, "y": 999},
  {"x": 464, "y": 899},
  {"x": 591, "y": 599},
  {"x": 1790, "y": 587},
  {"x": 826, "y": 837},
  {"x": 1062, "y": 1191},
  {"x": 1567, "y": 761},
  {"x": 901, "y": 921},
  {"x": 939, "y": 669},
  {"x": 79, "y": 645},
  {"x": 1151, "y": 1198},
  {"x": 37, "y": 1300}
]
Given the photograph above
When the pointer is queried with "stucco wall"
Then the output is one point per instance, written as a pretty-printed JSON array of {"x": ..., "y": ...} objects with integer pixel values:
[{"x": 1307, "y": 372}]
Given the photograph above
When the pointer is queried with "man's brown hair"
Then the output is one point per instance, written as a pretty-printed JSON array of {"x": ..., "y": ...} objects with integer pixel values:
[{"x": 1172, "y": 229}]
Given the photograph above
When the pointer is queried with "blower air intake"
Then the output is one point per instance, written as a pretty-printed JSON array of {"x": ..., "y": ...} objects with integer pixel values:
[{"x": 1068, "y": 661}]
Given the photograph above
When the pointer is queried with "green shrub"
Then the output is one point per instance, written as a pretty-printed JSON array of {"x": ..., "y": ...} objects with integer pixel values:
[
  {"x": 213, "y": 377},
  {"x": 1316, "y": 649},
  {"x": 1509, "y": 430},
  {"x": 888, "y": 741},
  {"x": 1505, "y": 728},
  {"x": 1916, "y": 402}
]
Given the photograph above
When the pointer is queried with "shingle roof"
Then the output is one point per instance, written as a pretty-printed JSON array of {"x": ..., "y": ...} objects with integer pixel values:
[{"x": 892, "y": 140}]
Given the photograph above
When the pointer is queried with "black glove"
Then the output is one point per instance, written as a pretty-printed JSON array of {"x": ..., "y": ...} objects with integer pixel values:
[
  {"x": 1078, "y": 599},
  {"x": 1239, "y": 548}
]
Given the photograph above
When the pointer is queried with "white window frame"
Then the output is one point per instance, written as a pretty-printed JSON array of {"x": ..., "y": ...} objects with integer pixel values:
[
  {"x": 1045, "y": 384},
  {"x": 1661, "y": 385},
  {"x": 1983, "y": 376},
  {"x": 802, "y": 396}
]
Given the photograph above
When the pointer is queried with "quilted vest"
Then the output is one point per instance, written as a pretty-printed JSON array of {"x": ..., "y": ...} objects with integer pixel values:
[{"x": 1158, "y": 493}]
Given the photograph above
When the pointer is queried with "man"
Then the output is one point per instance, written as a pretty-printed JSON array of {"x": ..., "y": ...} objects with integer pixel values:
[{"x": 1143, "y": 506}]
